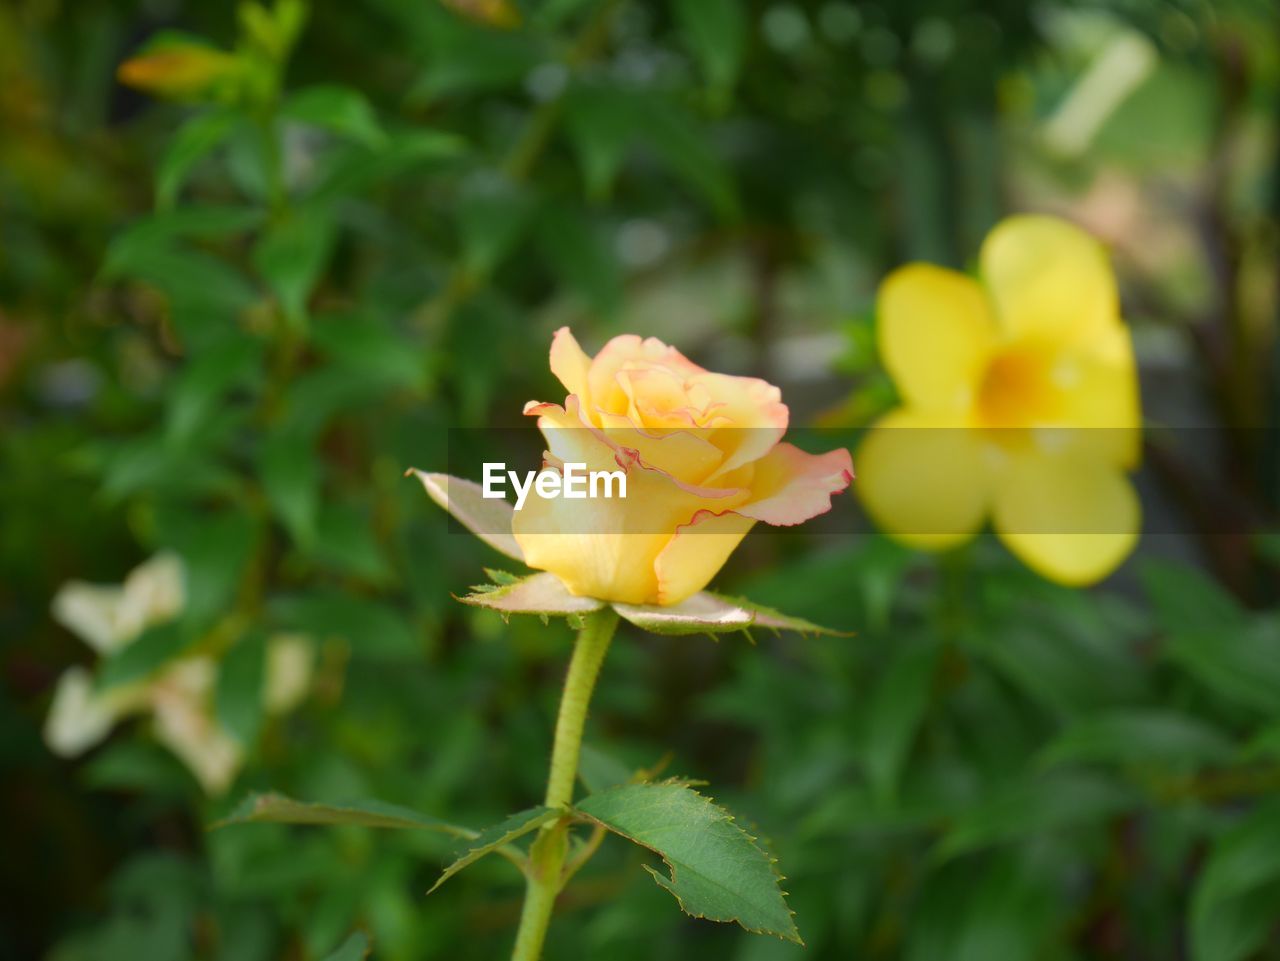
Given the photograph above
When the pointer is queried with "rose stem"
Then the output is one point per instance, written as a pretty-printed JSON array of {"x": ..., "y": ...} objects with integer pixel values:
[{"x": 547, "y": 855}]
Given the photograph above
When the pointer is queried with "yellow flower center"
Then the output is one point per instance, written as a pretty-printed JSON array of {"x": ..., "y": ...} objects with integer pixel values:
[{"x": 1017, "y": 388}]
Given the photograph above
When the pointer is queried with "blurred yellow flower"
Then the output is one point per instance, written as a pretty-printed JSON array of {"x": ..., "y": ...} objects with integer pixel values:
[
  {"x": 180, "y": 71},
  {"x": 1019, "y": 400},
  {"x": 179, "y": 696}
]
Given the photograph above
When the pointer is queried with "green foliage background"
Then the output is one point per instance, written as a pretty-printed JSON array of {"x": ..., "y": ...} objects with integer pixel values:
[{"x": 227, "y": 328}]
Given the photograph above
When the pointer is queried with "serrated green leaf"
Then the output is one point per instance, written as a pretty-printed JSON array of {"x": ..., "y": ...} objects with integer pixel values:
[
  {"x": 272, "y": 808},
  {"x": 488, "y": 518},
  {"x": 1139, "y": 736},
  {"x": 536, "y": 594},
  {"x": 340, "y": 110},
  {"x": 701, "y": 614},
  {"x": 492, "y": 838},
  {"x": 718, "y": 871},
  {"x": 355, "y": 948},
  {"x": 190, "y": 144}
]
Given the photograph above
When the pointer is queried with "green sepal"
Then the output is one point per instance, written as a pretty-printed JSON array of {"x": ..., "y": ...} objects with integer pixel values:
[
  {"x": 701, "y": 614},
  {"x": 542, "y": 593}
]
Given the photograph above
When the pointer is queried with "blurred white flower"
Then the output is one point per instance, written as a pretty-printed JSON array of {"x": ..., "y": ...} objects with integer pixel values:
[{"x": 180, "y": 696}]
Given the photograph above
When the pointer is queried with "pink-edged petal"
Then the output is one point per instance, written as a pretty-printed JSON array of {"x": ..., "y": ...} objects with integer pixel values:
[
  {"x": 697, "y": 552},
  {"x": 790, "y": 485},
  {"x": 488, "y": 518}
]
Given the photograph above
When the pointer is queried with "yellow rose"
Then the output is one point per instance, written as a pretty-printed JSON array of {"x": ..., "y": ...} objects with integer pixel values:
[
  {"x": 703, "y": 460},
  {"x": 1019, "y": 401}
]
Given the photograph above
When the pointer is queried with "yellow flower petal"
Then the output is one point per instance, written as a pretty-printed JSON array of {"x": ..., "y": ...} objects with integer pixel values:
[
  {"x": 1071, "y": 518},
  {"x": 1049, "y": 280},
  {"x": 1097, "y": 397},
  {"x": 925, "y": 484},
  {"x": 934, "y": 331},
  {"x": 570, "y": 364},
  {"x": 697, "y": 552}
]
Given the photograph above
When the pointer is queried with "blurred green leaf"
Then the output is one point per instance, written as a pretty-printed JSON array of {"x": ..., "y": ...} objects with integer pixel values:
[
  {"x": 371, "y": 348},
  {"x": 1139, "y": 737},
  {"x": 718, "y": 872},
  {"x": 462, "y": 57},
  {"x": 234, "y": 360},
  {"x": 152, "y": 649},
  {"x": 1189, "y": 603},
  {"x": 241, "y": 683},
  {"x": 355, "y": 948},
  {"x": 291, "y": 255},
  {"x": 895, "y": 711},
  {"x": 1241, "y": 666},
  {"x": 275, "y": 808},
  {"x": 1237, "y": 896},
  {"x": 340, "y": 110},
  {"x": 493, "y": 213},
  {"x": 193, "y": 141},
  {"x": 1050, "y": 802},
  {"x": 581, "y": 256},
  {"x": 373, "y": 628},
  {"x": 497, "y": 836},
  {"x": 290, "y": 473},
  {"x": 716, "y": 32}
]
